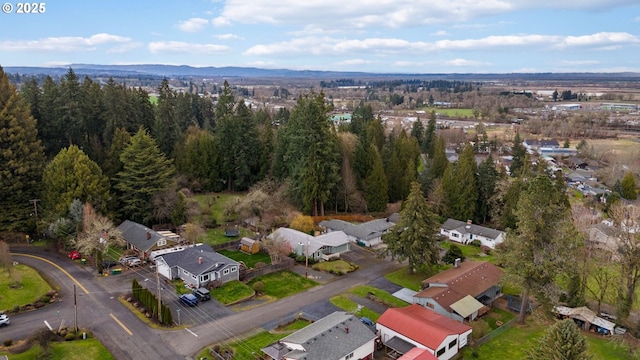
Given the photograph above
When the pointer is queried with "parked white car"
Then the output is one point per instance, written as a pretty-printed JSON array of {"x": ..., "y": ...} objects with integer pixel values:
[{"x": 4, "y": 320}]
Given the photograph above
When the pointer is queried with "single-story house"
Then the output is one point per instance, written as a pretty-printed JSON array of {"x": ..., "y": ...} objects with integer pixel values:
[
  {"x": 367, "y": 234},
  {"x": 143, "y": 240},
  {"x": 337, "y": 336},
  {"x": 463, "y": 292},
  {"x": 320, "y": 247},
  {"x": 402, "y": 329},
  {"x": 532, "y": 145},
  {"x": 249, "y": 246},
  {"x": 466, "y": 232},
  {"x": 603, "y": 236},
  {"x": 197, "y": 266},
  {"x": 586, "y": 319}
]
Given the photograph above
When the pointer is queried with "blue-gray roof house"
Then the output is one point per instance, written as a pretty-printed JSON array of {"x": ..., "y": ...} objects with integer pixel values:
[
  {"x": 143, "y": 240},
  {"x": 197, "y": 266},
  {"x": 337, "y": 336}
]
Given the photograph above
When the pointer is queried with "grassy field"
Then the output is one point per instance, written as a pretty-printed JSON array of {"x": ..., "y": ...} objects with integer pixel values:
[
  {"x": 283, "y": 283},
  {"x": 412, "y": 281},
  {"x": 216, "y": 203},
  {"x": 513, "y": 343},
  {"x": 231, "y": 292},
  {"x": 67, "y": 350},
  {"x": 248, "y": 259},
  {"x": 32, "y": 287},
  {"x": 217, "y": 236},
  {"x": 457, "y": 113},
  {"x": 351, "y": 306},
  {"x": 364, "y": 290},
  {"x": 335, "y": 267},
  {"x": 469, "y": 251}
]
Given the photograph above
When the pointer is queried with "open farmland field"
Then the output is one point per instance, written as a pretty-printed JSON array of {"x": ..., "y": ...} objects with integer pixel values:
[
  {"x": 622, "y": 149},
  {"x": 456, "y": 113}
]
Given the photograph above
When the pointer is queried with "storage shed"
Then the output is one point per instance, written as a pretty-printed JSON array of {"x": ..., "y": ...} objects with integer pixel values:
[{"x": 249, "y": 246}]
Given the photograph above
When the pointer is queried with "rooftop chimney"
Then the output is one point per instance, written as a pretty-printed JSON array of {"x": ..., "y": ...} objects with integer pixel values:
[
  {"x": 199, "y": 259},
  {"x": 469, "y": 222},
  {"x": 346, "y": 329}
]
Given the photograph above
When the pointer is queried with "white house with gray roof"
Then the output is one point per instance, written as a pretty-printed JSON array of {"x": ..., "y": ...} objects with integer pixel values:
[
  {"x": 322, "y": 247},
  {"x": 466, "y": 232},
  {"x": 197, "y": 266},
  {"x": 367, "y": 234},
  {"x": 338, "y": 336},
  {"x": 143, "y": 240}
]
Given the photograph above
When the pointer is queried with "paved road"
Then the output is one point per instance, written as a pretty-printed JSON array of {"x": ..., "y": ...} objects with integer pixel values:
[{"x": 126, "y": 337}]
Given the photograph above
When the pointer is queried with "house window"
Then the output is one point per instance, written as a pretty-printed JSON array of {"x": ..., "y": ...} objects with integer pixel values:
[
  {"x": 204, "y": 277},
  {"x": 348, "y": 356},
  {"x": 162, "y": 242},
  {"x": 453, "y": 343},
  {"x": 445, "y": 231},
  {"x": 193, "y": 276},
  {"x": 470, "y": 236},
  {"x": 234, "y": 269},
  {"x": 455, "y": 235},
  {"x": 430, "y": 305},
  {"x": 441, "y": 351},
  {"x": 226, "y": 272}
]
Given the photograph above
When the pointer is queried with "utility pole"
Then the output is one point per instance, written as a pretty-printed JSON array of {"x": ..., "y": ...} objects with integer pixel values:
[
  {"x": 75, "y": 308},
  {"x": 35, "y": 212},
  {"x": 159, "y": 299},
  {"x": 306, "y": 261}
]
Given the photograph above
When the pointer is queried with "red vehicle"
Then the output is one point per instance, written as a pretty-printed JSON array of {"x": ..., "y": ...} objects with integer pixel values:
[{"x": 74, "y": 255}]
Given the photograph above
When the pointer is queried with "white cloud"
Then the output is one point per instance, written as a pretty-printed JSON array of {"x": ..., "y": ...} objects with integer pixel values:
[
  {"x": 57, "y": 63},
  {"x": 351, "y": 62},
  {"x": 63, "y": 43},
  {"x": 229, "y": 37},
  {"x": 123, "y": 48},
  {"x": 452, "y": 63},
  {"x": 183, "y": 47},
  {"x": 464, "y": 62},
  {"x": 440, "y": 33},
  {"x": 602, "y": 38},
  {"x": 637, "y": 19},
  {"x": 578, "y": 62},
  {"x": 193, "y": 24}
]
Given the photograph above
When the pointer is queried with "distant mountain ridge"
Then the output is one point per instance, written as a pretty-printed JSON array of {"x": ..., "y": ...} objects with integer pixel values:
[{"x": 253, "y": 72}]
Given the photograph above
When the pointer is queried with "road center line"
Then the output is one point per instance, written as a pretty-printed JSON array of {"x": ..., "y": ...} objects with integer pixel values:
[
  {"x": 191, "y": 332},
  {"x": 57, "y": 266},
  {"x": 121, "y": 324}
]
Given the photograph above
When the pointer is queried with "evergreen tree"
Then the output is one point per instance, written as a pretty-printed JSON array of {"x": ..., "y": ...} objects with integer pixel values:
[
  {"x": 628, "y": 187},
  {"x": 430, "y": 137},
  {"x": 414, "y": 237},
  {"x": 460, "y": 187},
  {"x": 166, "y": 129},
  {"x": 146, "y": 172},
  {"x": 21, "y": 156},
  {"x": 542, "y": 244},
  {"x": 487, "y": 179},
  {"x": 72, "y": 175},
  {"x": 376, "y": 183},
  {"x": 561, "y": 341},
  {"x": 518, "y": 153},
  {"x": 69, "y": 115},
  {"x": 440, "y": 161},
  {"x": 417, "y": 131},
  {"x": 50, "y": 129},
  {"x": 197, "y": 160}
]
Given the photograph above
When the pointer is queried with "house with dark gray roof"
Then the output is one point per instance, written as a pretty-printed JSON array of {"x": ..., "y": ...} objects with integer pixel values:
[
  {"x": 197, "y": 266},
  {"x": 466, "y": 232},
  {"x": 338, "y": 336},
  {"x": 367, "y": 234},
  {"x": 143, "y": 240}
]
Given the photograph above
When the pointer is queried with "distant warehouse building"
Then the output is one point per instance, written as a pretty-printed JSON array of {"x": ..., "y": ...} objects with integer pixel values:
[
  {"x": 566, "y": 107},
  {"x": 619, "y": 107}
]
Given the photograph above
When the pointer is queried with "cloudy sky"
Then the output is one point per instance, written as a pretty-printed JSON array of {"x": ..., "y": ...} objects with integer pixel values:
[{"x": 397, "y": 36}]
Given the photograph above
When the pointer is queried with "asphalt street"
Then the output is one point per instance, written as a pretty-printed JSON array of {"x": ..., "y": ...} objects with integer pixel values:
[{"x": 127, "y": 337}]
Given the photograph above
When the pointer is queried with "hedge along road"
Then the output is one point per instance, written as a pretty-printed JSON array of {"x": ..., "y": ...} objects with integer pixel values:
[{"x": 121, "y": 332}]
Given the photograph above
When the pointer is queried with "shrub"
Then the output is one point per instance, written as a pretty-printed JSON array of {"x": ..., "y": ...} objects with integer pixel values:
[
  {"x": 480, "y": 329},
  {"x": 69, "y": 337},
  {"x": 259, "y": 265},
  {"x": 476, "y": 243},
  {"x": 452, "y": 254},
  {"x": 7, "y": 342},
  {"x": 258, "y": 287},
  {"x": 45, "y": 299},
  {"x": 485, "y": 250}
]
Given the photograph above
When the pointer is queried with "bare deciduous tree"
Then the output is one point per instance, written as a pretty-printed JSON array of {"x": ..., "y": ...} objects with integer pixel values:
[
  {"x": 277, "y": 247},
  {"x": 98, "y": 233},
  {"x": 626, "y": 219}
]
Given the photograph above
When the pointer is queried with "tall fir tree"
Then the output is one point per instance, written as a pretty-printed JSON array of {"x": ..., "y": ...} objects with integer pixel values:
[
  {"x": 518, "y": 153},
  {"x": 628, "y": 187},
  {"x": 487, "y": 179},
  {"x": 21, "y": 156},
  {"x": 166, "y": 129},
  {"x": 460, "y": 187},
  {"x": 146, "y": 172},
  {"x": 414, "y": 237},
  {"x": 376, "y": 183},
  {"x": 440, "y": 161},
  {"x": 561, "y": 341}
]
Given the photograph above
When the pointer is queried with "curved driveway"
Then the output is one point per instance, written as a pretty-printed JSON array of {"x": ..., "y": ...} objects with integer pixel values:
[{"x": 126, "y": 337}]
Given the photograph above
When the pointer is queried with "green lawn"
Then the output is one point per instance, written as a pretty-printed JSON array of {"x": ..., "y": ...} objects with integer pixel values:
[
  {"x": 513, "y": 343},
  {"x": 335, "y": 267},
  {"x": 364, "y": 290},
  {"x": 453, "y": 112},
  {"x": 216, "y": 236},
  {"x": 248, "y": 259},
  {"x": 215, "y": 204},
  {"x": 31, "y": 287},
  {"x": 351, "y": 306},
  {"x": 67, "y": 350},
  {"x": 283, "y": 283},
  {"x": 412, "y": 281},
  {"x": 231, "y": 292},
  {"x": 247, "y": 348},
  {"x": 294, "y": 326},
  {"x": 469, "y": 251}
]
